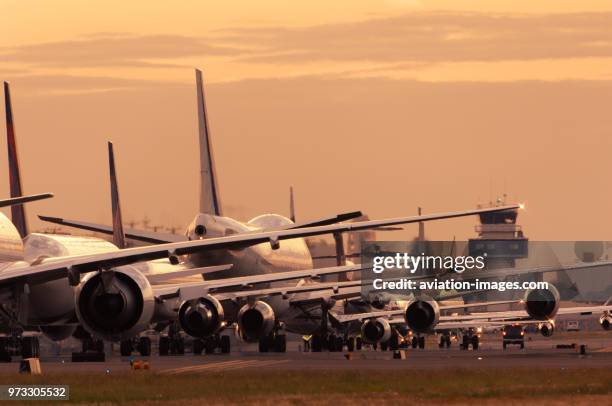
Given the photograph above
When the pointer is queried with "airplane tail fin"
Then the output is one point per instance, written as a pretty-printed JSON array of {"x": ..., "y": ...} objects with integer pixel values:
[
  {"x": 291, "y": 205},
  {"x": 118, "y": 234},
  {"x": 210, "y": 201},
  {"x": 17, "y": 211}
]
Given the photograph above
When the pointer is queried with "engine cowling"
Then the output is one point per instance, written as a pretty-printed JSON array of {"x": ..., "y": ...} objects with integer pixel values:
[
  {"x": 256, "y": 320},
  {"x": 422, "y": 314},
  {"x": 606, "y": 321},
  {"x": 542, "y": 304},
  {"x": 115, "y": 305},
  {"x": 201, "y": 317},
  {"x": 376, "y": 331},
  {"x": 547, "y": 329}
]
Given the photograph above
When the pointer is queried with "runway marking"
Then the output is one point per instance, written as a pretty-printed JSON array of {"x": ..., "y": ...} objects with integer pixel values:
[{"x": 221, "y": 366}]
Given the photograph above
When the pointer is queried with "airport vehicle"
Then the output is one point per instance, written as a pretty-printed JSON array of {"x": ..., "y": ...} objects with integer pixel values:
[
  {"x": 261, "y": 316},
  {"x": 513, "y": 334}
]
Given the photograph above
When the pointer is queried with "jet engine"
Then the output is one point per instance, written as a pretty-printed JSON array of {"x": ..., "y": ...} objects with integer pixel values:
[
  {"x": 606, "y": 320},
  {"x": 422, "y": 314},
  {"x": 256, "y": 320},
  {"x": 116, "y": 304},
  {"x": 201, "y": 317},
  {"x": 542, "y": 304},
  {"x": 547, "y": 329},
  {"x": 376, "y": 330}
]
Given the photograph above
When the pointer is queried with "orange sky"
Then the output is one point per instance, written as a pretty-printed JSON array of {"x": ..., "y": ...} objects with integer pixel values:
[{"x": 379, "y": 106}]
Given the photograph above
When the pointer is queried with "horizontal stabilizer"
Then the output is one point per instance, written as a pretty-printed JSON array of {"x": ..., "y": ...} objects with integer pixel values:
[{"x": 150, "y": 237}]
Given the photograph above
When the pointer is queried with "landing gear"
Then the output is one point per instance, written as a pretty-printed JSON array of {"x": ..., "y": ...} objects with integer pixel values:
[
  {"x": 144, "y": 346},
  {"x": 30, "y": 347},
  {"x": 171, "y": 346},
  {"x": 468, "y": 339},
  {"x": 126, "y": 348},
  {"x": 211, "y": 344},
  {"x": 275, "y": 342},
  {"x": 92, "y": 349},
  {"x": 173, "y": 343},
  {"x": 418, "y": 342},
  {"x": 445, "y": 341}
]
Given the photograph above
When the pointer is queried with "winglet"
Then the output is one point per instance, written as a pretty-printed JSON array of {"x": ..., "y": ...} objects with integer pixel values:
[
  {"x": 17, "y": 210},
  {"x": 118, "y": 234},
  {"x": 291, "y": 205},
  {"x": 210, "y": 201}
]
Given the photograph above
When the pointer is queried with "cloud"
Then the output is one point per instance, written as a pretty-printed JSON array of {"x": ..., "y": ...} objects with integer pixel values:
[
  {"x": 114, "y": 49},
  {"x": 433, "y": 37}
]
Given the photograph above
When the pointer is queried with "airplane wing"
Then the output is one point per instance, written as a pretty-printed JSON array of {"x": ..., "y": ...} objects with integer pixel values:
[
  {"x": 24, "y": 199},
  {"x": 344, "y": 318},
  {"x": 196, "y": 289},
  {"x": 153, "y": 237},
  {"x": 59, "y": 267}
]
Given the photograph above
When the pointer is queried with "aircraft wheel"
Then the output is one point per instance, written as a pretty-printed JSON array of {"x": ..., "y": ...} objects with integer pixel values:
[
  {"x": 394, "y": 342},
  {"x": 316, "y": 343},
  {"x": 179, "y": 344},
  {"x": 198, "y": 346},
  {"x": 475, "y": 342},
  {"x": 448, "y": 341},
  {"x": 504, "y": 346},
  {"x": 384, "y": 346},
  {"x": 126, "y": 348},
  {"x": 522, "y": 346},
  {"x": 422, "y": 342},
  {"x": 30, "y": 347},
  {"x": 264, "y": 344},
  {"x": 350, "y": 344},
  {"x": 358, "y": 343},
  {"x": 144, "y": 346},
  {"x": 280, "y": 343},
  {"x": 415, "y": 342},
  {"x": 164, "y": 346},
  {"x": 225, "y": 345}
]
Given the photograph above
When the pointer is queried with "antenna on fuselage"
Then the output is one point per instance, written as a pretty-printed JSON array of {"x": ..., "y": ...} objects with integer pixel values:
[
  {"x": 118, "y": 234},
  {"x": 210, "y": 201},
  {"x": 17, "y": 211}
]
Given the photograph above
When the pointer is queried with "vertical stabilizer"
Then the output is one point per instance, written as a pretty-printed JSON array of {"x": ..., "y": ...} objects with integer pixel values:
[
  {"x": 118, "y": 234},
  {"x": 210, "y": 201},
  {"x": 17, "y": 211},
  {"x": 291, "y": 205}
]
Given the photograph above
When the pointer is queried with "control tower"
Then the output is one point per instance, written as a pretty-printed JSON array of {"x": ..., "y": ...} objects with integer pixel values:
[{"x": 501, "y": 241}]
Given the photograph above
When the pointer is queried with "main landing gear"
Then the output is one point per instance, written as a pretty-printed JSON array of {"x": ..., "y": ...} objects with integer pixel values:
[
  {"x": 140, "y": 344},
  {"x": 445, "y": 341},
  {"x": 27, "y": 347},
  {"x": 418, "y": 342},
  {"x": 92, "y": 349},
  {"x": 209, "y": 345},
  {"x": 275, "y": 342}
]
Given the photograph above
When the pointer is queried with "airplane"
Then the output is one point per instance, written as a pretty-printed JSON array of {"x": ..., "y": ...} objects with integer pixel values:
[
  {"x": 422, "y": 314},
  {"x": 258, "y": 319}
]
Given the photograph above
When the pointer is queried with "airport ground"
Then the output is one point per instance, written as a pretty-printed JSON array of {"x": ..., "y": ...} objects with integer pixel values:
[{"x": 541, "y": 373}]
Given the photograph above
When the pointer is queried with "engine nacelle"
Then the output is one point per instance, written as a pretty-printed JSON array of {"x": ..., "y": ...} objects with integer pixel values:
[
  {"x": 115, "y": 305},
  {"x": 422, "y": 314},
  {"x": 547, "y": 329},
  {"x": 201, "y": 317},
  {"x": 376, "y": 331},
  {"x": 256, "y": 320},
  {"x": 606, "y": 321},
  {"x": 542, "y": 304}
]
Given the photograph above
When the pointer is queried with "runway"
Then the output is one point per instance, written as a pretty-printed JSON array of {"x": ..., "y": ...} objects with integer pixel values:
[{"x": 539, "y": 352}]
